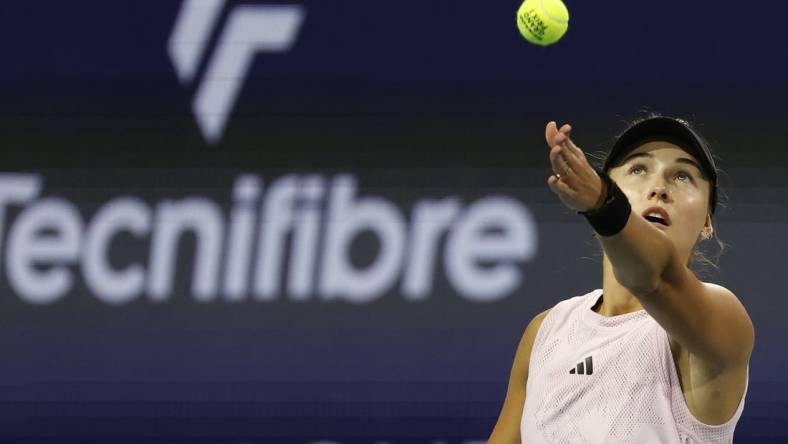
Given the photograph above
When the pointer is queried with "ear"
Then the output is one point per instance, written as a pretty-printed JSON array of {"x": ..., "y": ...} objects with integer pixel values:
[{"x": 708, "y": 228}]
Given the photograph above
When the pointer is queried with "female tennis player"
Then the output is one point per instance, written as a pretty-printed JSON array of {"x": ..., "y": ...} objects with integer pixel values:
[{"x": 655, "y": 355}]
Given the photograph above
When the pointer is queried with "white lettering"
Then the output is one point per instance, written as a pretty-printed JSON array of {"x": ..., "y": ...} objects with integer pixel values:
[
  {"x": 58, "y": 245},
  {"x": 430, "y": 220},
  {"x": 305, "y": 239},
  {"x": 239, "y": 245},
  {"x": 16, "y": 189},
  {"x": 277, "y": 220},
  {"x": 204, "y": 218},
  {"x": 114, "y": 287},
  {"x": 301, "y": 238},
  {"x": 346, "y": 219},
  {"x": 470, "y": 243}
]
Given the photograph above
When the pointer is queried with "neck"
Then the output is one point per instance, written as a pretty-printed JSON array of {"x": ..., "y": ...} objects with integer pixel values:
[{"x": 616, "y": 299}]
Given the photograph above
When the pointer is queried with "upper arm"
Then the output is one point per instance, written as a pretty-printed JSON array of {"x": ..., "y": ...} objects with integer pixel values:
[
  {"x": 507, "y": 429},
  {"x": 706, "y": 319}
]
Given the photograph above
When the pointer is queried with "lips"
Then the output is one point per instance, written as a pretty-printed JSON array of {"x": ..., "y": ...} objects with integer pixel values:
[{"x": 658, "y": 215}]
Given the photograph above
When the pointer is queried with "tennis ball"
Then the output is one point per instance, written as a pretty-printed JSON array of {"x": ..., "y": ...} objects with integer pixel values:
[{"x": 542, "y": 22}]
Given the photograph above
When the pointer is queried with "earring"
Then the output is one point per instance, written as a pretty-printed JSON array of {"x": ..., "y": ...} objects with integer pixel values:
[{"x": 706, "y": 234}]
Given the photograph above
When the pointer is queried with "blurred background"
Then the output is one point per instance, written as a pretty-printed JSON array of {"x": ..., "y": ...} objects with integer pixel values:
[{"x": 328, "y": 221}]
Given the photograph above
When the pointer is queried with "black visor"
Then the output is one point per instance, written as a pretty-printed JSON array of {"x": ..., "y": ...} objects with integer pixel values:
[{"x": 672, "y": 130}]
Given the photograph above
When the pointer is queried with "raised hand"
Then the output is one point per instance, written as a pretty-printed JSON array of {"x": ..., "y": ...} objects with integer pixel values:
[{"x": 575, "y": 181}]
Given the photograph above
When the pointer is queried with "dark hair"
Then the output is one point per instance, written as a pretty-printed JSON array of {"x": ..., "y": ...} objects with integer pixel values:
[{"x": 701, "y": 260}]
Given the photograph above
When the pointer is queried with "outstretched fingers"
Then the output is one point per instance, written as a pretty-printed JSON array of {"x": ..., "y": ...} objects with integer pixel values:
[
  {"x": 559, "y": 186},
  {"x": 574, "y": 156},
  {"x": 570, "y": 145},
  {"x": 550, "y": 131},
  {"x": 561, "y": 165},
  {"x": 552, "y": 182}
]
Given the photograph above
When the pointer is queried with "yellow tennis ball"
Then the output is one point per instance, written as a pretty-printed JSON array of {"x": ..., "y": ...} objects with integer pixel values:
[{"x": 542, "y": 22}]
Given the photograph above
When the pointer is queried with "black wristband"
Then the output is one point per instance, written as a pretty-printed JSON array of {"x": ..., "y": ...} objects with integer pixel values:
[{"x": 612, "y": 216}]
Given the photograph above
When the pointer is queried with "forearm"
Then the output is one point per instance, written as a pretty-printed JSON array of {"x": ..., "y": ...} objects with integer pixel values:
[
  {"x": 638, "y": 251},
  {"x": 639, "y": 254}
]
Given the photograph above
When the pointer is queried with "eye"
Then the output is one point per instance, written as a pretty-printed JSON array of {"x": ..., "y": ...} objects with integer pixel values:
[
  {"x": 635, "y": 168},
  {"x": 685, "y": 175}
]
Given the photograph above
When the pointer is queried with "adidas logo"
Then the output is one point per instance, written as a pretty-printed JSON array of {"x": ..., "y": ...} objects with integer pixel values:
[{"x": 582, "y": 368}]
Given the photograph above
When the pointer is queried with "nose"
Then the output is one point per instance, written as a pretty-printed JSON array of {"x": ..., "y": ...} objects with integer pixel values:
[{"x": 660, "y": 191}]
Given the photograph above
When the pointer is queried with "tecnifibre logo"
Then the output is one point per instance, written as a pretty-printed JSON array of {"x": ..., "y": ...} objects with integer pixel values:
[
  {"x": 248, "y": 31},
  {"x": 294, "y": 239}
]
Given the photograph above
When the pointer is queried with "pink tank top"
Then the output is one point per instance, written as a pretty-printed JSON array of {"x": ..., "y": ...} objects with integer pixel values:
[{"x": 596, "y": 379}]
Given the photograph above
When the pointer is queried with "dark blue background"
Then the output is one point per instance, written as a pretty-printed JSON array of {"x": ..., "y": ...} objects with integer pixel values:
[{"x": 442, "y": 96}]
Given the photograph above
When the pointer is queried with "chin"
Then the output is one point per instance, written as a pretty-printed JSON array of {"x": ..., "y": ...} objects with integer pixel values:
[{"x": 659, "y": 226}]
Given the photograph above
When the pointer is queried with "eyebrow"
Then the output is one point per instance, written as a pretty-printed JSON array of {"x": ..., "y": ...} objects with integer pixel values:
[{"x": 679, "y": 160}]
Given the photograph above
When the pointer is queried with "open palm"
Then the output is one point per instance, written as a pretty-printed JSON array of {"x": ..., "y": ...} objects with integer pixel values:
[{"x": 575, "y": 181}]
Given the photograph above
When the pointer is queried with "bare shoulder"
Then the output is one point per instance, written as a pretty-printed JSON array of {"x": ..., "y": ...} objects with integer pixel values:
[
  {"x": 720, "y": 291},
  {"x": 725, "y": 294},
  {"x": 713, "y": 393},
  {"x": 731, "y": 303},
  {"x": 533, "y": 327},
  {"x": 537, "y": 320},
  {"x": 736, "y": 333},
  {"x": 507, "y": 428},
  {"x": 527, "y": 341}
]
